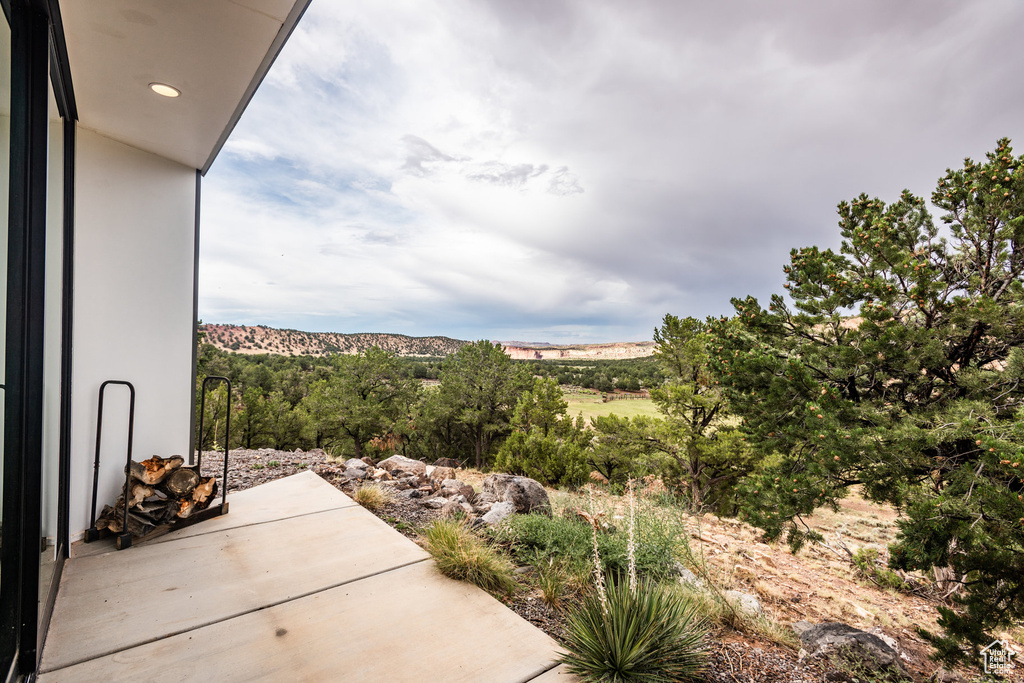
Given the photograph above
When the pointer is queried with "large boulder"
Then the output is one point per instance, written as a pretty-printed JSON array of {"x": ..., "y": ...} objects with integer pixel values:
[
  {"x": 401, "y": 466},
  {"x": 865, "y": 650},
  {"x": 448, "y": 462},
  {"x": 356, "y": 463},
  {"x": 442, "y": 473},
  {"x": 525, "y": 494}
]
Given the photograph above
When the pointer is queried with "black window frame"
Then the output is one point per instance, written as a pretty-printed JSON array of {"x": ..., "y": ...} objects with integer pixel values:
[{"x": 38, "y": 62}]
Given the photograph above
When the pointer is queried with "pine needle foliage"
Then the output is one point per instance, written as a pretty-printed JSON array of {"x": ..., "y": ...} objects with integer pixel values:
[
  {"x": 897, "y": 365},
  {"x": 651, "y": 635}
]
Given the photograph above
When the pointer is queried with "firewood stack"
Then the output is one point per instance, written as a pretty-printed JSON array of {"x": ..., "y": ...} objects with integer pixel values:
[{"x": 160, "y": 492}]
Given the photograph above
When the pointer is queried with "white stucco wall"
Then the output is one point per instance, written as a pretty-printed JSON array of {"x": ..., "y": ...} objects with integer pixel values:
[{"x": 133, "y": 320}]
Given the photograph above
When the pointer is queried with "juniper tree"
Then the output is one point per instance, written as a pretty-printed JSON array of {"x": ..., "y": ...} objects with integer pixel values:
[
  {"x": 482, "y": 385},
  {"x": 898, "y": 369},
  {"x": 546, "y": 444}
]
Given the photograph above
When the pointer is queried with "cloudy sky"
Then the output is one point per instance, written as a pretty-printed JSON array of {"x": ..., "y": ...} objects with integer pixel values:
[{"x": 570, "y": 171}]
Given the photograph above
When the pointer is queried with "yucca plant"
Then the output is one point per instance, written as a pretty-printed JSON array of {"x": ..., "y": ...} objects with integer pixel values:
[
  {"x": 631, "y": 629},
  {"x": 652, "y": 634}
]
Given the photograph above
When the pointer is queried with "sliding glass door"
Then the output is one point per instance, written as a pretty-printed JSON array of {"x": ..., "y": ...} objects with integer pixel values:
[{"x": 7, "y": 643}]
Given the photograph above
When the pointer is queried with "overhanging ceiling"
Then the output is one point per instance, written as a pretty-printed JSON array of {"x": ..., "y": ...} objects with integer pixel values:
[{"x": 215, "y": 52}]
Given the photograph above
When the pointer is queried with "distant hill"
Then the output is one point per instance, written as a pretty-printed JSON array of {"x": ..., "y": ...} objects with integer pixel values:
[
  {"x": 253, "y": 339},
  {"x": 260, "y": 339}
]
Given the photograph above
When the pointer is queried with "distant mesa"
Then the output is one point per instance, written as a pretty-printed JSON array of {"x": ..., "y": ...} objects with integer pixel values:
[
  {"x": 257, "y": 339},
  {"x": 611, "y": 351}
]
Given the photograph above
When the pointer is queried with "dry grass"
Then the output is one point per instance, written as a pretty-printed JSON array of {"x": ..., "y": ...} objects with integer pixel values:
[
  {"x": 371, "y": 496},
  {"x": 461, "y": 555}
]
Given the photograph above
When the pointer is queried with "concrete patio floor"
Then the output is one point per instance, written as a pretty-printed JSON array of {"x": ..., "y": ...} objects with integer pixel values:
[{"x": 296, "y": 583}]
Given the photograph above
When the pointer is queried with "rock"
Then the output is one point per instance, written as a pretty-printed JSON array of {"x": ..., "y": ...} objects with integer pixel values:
[
  {"x": 745, "y": 603},
  {"x": 356, "y": 463},
  {"x": 943, "y": 675},
  {"x": 400, "y": 466},
  {"x": 353, "y": 474},
  {"x": 689, "y": 579},
  {"x": 860, "y": 648},
  {"x": 527, "y": 495},
  {"x": 381, "y": 475},
  {"x": 452, "y": 509},
  {"x": 482, "y": 508},
  {"x": 800, "y": 626},
  {"x": 467, "y": 508},
  {"x": 447, "y": 462},
  {"x": 498, "y": 512},
  {"x": 435, "y": 503},
  {"x": 484, "y": 498},
  {"x": 890, "y": 641},
  {"x": 451, "y": 488},
  {"x": 442, "y": 473},
  {"x": 410, "y": 493},
  {"x": 369, "y": 461}
]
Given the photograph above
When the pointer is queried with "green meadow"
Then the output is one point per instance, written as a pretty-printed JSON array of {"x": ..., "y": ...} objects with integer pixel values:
[{"x": 590, "y": 405}]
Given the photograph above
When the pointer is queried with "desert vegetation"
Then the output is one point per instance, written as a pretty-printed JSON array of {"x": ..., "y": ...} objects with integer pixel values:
[{"x": 893, "y": 373}]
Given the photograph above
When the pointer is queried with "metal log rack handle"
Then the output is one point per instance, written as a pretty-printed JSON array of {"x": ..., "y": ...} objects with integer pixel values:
[
  {"x": 92, "y": 533},
  {"x": 227, "y": 436}
]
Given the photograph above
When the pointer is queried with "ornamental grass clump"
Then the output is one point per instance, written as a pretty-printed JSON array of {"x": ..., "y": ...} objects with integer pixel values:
[
  {"x": 634, "y": 630},
  {"x": 371, "y": 496},
  {"x": 459, "y": 554}
]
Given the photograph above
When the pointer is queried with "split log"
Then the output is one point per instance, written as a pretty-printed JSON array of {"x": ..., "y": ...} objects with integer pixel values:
[
  {"x": 185, "y": 508},
  {"x": 113, "y": 519},
  {"x": 204, "y": 490},
  {"x": 160, "y": 491},
  {"x": 139, "y": 492},
  {"x": 157, "y": 511},
  {"x": 154, "y": 470},
  {"x": 181, "y": 482}
]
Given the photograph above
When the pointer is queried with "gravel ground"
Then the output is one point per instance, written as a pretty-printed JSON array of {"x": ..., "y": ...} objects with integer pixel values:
[
  {"x": 744, "y": 662},
  {"x": 252, "y": 468}
]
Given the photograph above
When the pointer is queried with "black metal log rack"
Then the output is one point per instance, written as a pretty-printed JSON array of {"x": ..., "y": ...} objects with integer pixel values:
[{"x": 125, "y": 539}]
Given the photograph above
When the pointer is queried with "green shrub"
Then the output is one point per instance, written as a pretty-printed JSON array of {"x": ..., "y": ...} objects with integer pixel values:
[
  {"x": 459, "y": 554},
  {"x": 652, "y": 634},
  {"x": 660, "y": 543},
  {"x": 551, "y": 459},
  {"x": 865, "y": 561}
]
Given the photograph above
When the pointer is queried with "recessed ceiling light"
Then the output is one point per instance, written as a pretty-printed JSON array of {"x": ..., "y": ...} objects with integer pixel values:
[{"x": 164, "y": 89}]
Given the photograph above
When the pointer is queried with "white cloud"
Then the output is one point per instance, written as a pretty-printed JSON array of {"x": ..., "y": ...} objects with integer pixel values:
[{"x": 575, "y": 169}]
